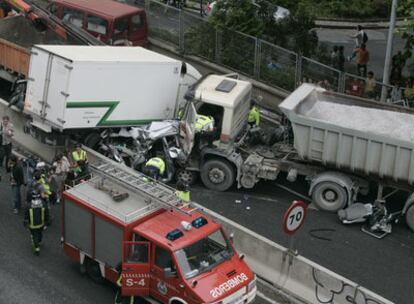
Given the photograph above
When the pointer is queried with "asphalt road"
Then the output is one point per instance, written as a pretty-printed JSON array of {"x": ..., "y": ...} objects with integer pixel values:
[{"x": 383, "y": 266}]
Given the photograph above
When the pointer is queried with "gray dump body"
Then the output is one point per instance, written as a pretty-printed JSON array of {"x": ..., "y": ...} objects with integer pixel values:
[{"x": 351, "y": 133}]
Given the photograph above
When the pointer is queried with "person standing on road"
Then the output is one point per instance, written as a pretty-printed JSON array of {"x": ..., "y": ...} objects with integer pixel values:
[
  {"x": 362, "y": 60},
  {"x": 61, "y": 169},
  {"x": 360, "y": 38},
  {"x": 183, "y": 192},
  {"x": 7, "y": 133},
  {"x": 16, "y": 182},
  {"x": 36, "y": 219},
  {"x": 335, "y": 57}
]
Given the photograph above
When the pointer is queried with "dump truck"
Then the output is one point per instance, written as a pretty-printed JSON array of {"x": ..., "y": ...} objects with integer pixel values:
[
  {"x": 163, "y": 249},
  {"x": 339, "y": 143},
  {"x": 75, "y": 90}
]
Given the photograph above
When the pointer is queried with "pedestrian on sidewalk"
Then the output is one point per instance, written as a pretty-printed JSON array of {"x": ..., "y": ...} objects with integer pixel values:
[
  {"x": 7, "y": 132},
  {"x": 397, "y": 65},
  {"x": 341, "y": 58},
  {"x": 362, "y": 60},
  {"x": 335, "y": 57},
  {"x": 16, "y": 182},
  {"x": 370, "y": 85}
]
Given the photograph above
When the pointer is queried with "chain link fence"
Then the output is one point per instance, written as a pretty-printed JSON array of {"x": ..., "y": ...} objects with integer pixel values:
[{"x": 253, "y": 57}]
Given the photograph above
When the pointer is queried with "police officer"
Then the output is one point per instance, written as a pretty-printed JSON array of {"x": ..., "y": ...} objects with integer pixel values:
[
  {"x": 155, "y": 167},
  {"x": 183, "y": 192},
  {"x": 36, "y": 219},
  {"x": 254, "y": 116}
]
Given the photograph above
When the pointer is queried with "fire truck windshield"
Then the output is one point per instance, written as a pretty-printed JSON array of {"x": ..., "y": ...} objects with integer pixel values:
[{"x": 204, "y": 254}]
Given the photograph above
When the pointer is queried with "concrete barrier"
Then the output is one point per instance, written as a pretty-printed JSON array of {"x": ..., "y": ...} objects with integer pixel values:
[
  {"x": 299, "y": 277},
  {"x": 295, "y": 275}
]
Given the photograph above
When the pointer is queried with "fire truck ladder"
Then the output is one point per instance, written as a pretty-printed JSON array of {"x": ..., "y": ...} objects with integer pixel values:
[{"x": 156, "y": 191}]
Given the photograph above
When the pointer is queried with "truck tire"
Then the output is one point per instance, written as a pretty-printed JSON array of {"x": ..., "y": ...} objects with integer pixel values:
[
  {"x": 217, "y": 174},
  {"x": 93, "y": 271},
  {"x": 329, "y": 196},
  {"x": 92, "y": 140},
  {"x": 186, "y": 176},
  {"x": 409, "y": 217}
]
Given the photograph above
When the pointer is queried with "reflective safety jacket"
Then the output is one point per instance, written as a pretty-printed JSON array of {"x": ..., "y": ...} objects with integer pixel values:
[
  {"x": 45, "y": 185},
  {"x": 79, "y": 156},
  {"x": 157, "y": 163},
  {"x": 183, "y": 195},
  {"x": 37, "y": 218},
  {"x": 204, "y": 123},
  {"x": 254, "y": 116}
]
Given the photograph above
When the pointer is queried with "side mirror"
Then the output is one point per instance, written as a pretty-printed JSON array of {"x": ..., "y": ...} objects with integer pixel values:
[
  {"x": 169, "y": 273},
  {"x": 241, "y": 256}
]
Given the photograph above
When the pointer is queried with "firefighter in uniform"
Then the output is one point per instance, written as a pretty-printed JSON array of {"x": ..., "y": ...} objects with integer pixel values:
[
  {"x": 40, "y": 179},
  {"x": 204, "y": 123},
  {"x": 183, "y": 192},
  {"x": 155, "y": 167},
  {"x": 254, "y": 116},
  {"x": 36, "y": 219}
]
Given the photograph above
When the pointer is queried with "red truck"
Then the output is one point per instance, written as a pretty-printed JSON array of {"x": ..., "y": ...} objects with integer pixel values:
[{"x": 168, "y": 251}]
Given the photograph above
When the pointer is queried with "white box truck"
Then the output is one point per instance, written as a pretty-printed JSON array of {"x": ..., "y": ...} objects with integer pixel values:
[{"x": 73, "y": 89}]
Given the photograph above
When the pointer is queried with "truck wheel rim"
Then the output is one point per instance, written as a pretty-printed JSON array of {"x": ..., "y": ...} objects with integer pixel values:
[
  {"x": 330, "y": 195},
  {"x": 216, "y": 176},
  {"x": 185, "y": 176}
]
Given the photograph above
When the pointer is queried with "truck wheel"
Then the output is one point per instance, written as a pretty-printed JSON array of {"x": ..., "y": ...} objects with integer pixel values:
[
  {"x": 409, "y": 217},
  {"x": 92, "y": 140},
  {"x": 186, "y": 176},
  {"x": 217, "y": 175},
  {"x": 329, "y": 196},
  {"x": 93, "y": 271}
]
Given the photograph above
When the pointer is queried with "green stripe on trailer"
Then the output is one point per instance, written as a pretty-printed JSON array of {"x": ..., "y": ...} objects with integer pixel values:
[{"x": 111, "y": 105}]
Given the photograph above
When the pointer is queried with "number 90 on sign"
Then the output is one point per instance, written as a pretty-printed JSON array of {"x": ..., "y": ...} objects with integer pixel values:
[{"x": 294, "y": 217}]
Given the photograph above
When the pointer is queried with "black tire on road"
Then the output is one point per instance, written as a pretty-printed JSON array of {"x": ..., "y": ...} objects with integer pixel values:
[
  {"x": 329, "y": 196},
  {"x": 92, "y": 140},
  {"x": 186, "y": 176},
  {"x": 93, "y": 271},
  {"x": 217, "y": 174},
  {"x": 409, "y": 217}
]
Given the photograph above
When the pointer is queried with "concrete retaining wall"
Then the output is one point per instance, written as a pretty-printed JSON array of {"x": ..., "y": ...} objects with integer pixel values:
[{"x": 299, "y": 277}]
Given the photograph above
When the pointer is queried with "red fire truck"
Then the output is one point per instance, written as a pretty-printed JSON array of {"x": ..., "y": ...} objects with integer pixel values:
[{"x": 167, "y": 251}]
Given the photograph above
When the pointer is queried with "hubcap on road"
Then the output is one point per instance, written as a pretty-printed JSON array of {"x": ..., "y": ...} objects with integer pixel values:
[{"x": 216, "y": 176}]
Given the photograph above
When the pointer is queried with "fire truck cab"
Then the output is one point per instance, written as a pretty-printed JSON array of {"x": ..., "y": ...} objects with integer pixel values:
[{"x": 173, "y": 255}]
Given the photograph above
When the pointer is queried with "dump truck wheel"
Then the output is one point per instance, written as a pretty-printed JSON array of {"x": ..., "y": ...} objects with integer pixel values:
[
  {"x": 409, "y": 217},
  {"x": 93, "y": 271},
  {"x": 217, "y": 174},
  {"x": 329, "y": 196},
  {"x": 186, "y": 176}
]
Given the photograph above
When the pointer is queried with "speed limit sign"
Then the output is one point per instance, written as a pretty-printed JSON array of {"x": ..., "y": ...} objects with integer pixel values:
[{"x": 294, "y": 217}]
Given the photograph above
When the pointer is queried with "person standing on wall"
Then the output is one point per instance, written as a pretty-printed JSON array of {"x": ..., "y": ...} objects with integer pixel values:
[{"x": 7, "y": 132}]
